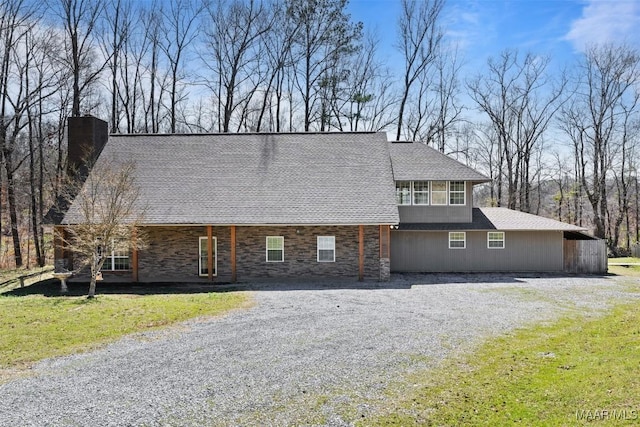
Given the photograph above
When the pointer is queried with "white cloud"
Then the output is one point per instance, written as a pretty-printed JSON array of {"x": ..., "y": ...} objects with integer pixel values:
[{"x": 606, "y": 22}]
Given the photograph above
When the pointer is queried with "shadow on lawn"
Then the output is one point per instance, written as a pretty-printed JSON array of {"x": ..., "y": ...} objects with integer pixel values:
[{"x": 51, "y": 287}]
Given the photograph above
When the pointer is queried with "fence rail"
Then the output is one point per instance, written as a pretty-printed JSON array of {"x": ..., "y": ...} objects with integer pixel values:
[{"x": 24, "y": 277}]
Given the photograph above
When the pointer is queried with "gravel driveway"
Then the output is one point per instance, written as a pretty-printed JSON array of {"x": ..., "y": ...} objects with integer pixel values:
[{"x": 321, "y": 353}]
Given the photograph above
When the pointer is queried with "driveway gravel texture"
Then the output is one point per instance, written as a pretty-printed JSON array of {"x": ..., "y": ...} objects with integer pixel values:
[{"x": 318, "y": 353}]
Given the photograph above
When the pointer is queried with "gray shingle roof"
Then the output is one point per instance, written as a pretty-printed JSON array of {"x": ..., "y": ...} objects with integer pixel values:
[
  {"x": 498, "y": 219},
  {"x": 250, "y": 179},
  {"x": 417, "y": 161}
]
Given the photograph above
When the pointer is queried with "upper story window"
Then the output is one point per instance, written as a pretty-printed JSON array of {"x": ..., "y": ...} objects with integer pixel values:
[
  {"x": 403, "y": 192},
  {"x": 435, "y": 193},
  {"x": 439, "y": 192},
  {"x": 420, "y": 192},
  {"x": 456, "y": 193}
]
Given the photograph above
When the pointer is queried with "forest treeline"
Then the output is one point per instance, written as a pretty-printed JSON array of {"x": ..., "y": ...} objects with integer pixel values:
[{"x": 556, "y": 143}]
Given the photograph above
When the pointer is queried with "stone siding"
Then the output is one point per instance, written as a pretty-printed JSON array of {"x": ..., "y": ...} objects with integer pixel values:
[
  {"x": 172, "y": 253},
  {"x": 300, "y": 252}
]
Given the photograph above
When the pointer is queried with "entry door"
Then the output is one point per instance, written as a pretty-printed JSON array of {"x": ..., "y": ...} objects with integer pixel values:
[{"x": 204, "y": 258}]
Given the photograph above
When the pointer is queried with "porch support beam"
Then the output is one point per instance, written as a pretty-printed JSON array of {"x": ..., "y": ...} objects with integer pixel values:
[
  {"x": 233, "y": 254},
  {"x": 210, "y": 251},
  {"x": 361, "y": 252},
  {"x": 134, "y": 256}
]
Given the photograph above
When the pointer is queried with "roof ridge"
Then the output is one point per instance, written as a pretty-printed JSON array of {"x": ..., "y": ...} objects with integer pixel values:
[{"x": 244, "y": 133}]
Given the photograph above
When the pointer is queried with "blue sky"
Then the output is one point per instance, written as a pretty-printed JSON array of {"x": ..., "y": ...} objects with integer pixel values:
[{"x": 484, "y": 28}]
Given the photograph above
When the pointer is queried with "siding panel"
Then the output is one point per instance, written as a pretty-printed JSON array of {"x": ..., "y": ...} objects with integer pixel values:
[{"x": 428, "y": 251}]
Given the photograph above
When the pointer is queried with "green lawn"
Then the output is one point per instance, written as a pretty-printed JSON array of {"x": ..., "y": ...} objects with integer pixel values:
[
  {"x": 619, "y": 270},
  {"x": 34, "y": 327},
  {"x": 577, "y": 371}
]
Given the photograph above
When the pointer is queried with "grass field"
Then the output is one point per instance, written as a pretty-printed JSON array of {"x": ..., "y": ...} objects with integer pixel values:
[
  {"x": 632, "y": 270},
  {"x": 35, "y": 325},
  {"x": 577, "y": 371}
]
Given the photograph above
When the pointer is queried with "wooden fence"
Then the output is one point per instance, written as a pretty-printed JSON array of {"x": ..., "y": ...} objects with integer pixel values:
[{"x": 585, "y": 256}]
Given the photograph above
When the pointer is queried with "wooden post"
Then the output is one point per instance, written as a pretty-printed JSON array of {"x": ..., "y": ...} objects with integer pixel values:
[
  {"x": 134, "y": 256},
  {"x": 361, "y": 252},
  {"x": 233, "y": 254},
  {"x": 210, "y": 251}
]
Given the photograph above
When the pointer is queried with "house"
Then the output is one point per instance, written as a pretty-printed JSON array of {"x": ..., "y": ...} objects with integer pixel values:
[{"x": 227, "y": 207}]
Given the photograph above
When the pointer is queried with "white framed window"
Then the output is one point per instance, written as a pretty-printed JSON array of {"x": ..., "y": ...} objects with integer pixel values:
[
  {"x": 275, "y": 248},
  {"x": 203, "y": 258},
  {"x": 403, "y": 192},
  {"x": 117, "y": 259},
  {"x": 457, "y": 240},
  {"x": 420, "y": 192},
  {"x": 439, "y": 192},
  {"x": 326, "y": 248},
  {"x": 495, "y": 240},
  {"x": 456, "y": 193}
]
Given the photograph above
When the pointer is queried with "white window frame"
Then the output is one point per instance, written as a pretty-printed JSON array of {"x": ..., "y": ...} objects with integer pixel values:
[
  {"x": 463, "y": 240},
  {"x": 494, "y": 239},
  {"x": 407, "y": 201},
  {"x": 452, "y": 192},
  {"x": 281, "y": 247},
  {"x": 110, "y": 260},
  {"x": 205, "y": 256},
  {"x": 414, "y": 192},
  {"x": 445, "y": 191},
  {"x": 326, "y": 243}
]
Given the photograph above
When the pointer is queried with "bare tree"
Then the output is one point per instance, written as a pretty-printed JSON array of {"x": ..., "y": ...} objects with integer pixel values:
[
  {"x": 601, "y": 122},
  {"x": 233, "y": 37},
  {"x": 326, "y": 37},
  {"x": 105, "y": 215},
  {"x": 419, "y": 40},
  {"x": 520, "y": 100},
  {"x": 81, "y": 19},
  {"x": 178, "y": 32}
]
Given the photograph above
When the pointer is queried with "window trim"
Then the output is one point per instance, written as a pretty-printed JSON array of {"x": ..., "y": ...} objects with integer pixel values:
[
  {"x": 427, "y": 192},
  {"x": 410, "y": 200},
  {"x": 464, "y": 240},
  {"x": 332, "y": 249},
  {"x": 464, "y": 194},
  {"x": 445, "y": 191},
  {"x": 206, "y": 256},
  {"x": 489, "y": 240},
  {"x": 279, "y": 238},
  {"x": 110, "y": 260}
]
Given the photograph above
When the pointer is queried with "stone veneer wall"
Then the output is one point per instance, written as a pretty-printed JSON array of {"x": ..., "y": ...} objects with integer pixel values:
[
  {"x": 300, "y": 252},
  {"x": 172, "y": 253}
]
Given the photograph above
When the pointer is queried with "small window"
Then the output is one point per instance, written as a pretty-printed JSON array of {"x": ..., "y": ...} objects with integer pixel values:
[
  {"x": 275, "y": 248},
  {"x": 403, "y": 192},
  {"x": 495, "y": 240},
  {"x": 117, "y": 258},
  {"x": 457, "y": 240},
  {"x": 326, "y": 248},
  {"x": 203, "y": 259},
  {"x": 439, "y": 193},
  {"x": 421, "y": 192},
  {"x": 456, "y": 193}
]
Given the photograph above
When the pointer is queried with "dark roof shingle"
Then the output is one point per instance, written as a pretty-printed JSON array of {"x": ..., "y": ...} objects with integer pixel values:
[
  {"x": 266, "y": 179},
  {"x": 498, "y": 219},
  {"x": 419, "y": 162}
]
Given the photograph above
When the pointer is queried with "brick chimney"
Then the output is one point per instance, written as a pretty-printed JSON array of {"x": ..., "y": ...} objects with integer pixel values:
[{"x": 86, "y": 137}]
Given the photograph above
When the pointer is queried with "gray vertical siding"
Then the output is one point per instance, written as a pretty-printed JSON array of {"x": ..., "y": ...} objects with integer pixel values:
[
  {"x": 428, "y": 251},
  {"x": 438, "y": 214}
]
